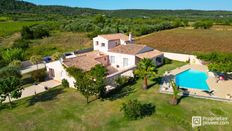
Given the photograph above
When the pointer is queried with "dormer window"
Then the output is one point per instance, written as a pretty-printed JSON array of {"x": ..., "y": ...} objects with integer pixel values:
[
  {"x": 103, "y": 44},
  {"x": 97, "y": 43}
]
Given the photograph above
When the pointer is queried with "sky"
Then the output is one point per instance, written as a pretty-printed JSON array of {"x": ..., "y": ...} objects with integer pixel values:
[{"x": 142, "y": 4}]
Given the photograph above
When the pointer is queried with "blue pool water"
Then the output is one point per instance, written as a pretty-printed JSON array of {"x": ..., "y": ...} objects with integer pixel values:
[{"x": 192, "y": 79}]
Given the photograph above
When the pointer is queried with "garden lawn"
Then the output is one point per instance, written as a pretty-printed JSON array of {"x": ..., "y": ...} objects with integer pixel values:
[{"x": 66, "y": 109}]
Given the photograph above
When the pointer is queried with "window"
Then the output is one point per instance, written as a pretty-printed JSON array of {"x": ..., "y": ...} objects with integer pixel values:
[
  {"x": 125, "y": 62},
  {"x": 103, "y": 44},
  {"x": 112, "y": 59},
  {"x": 97, "y": 43}
]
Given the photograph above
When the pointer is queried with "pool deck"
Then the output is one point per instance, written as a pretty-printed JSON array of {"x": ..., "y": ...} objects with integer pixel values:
[{"x": 222, "y": 90}]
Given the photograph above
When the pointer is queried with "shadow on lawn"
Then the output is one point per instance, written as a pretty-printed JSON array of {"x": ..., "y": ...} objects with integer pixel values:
[
  {"x": 155, "y": 81},
  {"x": 45, "y": 96},
  {"x": 181, "y": 98},
  {"x": 121, "y": 91}
]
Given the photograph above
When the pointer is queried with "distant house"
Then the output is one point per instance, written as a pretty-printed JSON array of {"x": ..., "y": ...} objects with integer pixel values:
[{"x": 117, "y": 52}]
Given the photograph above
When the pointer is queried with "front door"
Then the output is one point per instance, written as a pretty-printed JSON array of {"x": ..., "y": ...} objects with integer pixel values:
[{"x": 51, "y": 73}]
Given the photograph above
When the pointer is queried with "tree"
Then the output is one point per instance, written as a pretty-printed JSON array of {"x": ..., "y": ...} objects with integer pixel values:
[
  {"x": 218, "y": 62},
  {"x": 221, "y": 67},
  {"x": 40, "y": 31},
  {"x": 13, "y": 54},
  {"x": 57, "y": 56},
  {"x": 65, "y": 83},
  {"x": 9, "y": 71},
  {"x": 26, "y": 33},
  {"x": 175, "y": 89},
  {"x": 203, "y": 24},
  {"x": 97, "y": 75},
  {"x": 39, "y": 75},
  {"x": 83, "y": 82},
  {"x": 99, "y": 19},
  {"x": 91, "y": 83},
  {"x": 145, "y": 69},
  {"x": 10, "y": 87},
  {"x": 34, "y": 32},
  {"x": 21, "y": 43},
  {"x": 35, "y": 60}
]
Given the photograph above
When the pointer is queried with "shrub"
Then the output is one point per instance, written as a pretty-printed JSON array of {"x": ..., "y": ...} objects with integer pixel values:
[
  {"x": 16, "y": 63},
  {"x": 34, "y": 32},
  {"x": 21, "y": 43},
  {"x": 9, "y": 71},
  {"x": 13, "y": 54},
  {"x": 121, "y": 81},
  {"x": 124, "y": 81},
  {"x": 134, "y": 109},
  {"x": 39, "y": 75},
  {"x": 65, "y": 83},
  {"x": 203, "y": 25}
]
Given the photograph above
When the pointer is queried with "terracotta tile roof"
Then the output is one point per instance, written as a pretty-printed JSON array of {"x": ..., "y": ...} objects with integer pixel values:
[
  {"x": 150, "y": 54},
  {"x": 131, "y": 49},
  {"x": 84, "y": 61},
  {"x": 115, "y": 36}
]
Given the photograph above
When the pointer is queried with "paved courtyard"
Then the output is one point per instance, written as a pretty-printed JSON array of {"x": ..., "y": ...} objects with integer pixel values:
[{"x": 35, "y": 89}]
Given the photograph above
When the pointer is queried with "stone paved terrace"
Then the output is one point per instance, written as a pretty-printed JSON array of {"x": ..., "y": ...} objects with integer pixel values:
[{"x": 222, "y": 90}]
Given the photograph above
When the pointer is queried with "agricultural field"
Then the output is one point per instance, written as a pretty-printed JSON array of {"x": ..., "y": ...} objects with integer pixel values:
[
  {"x": 59, "y": 42},
  {"x": 56, "y": 42},
  {"x": 65, "y": 108},
  {"x": 8, "y": 28},
  {"x": 184, "y": 40}
]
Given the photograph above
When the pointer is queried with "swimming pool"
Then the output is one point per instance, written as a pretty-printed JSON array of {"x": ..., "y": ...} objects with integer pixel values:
[{"x": 192, "y": 79}]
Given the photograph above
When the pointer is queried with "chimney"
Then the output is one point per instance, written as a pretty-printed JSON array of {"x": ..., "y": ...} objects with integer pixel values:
[{"x": 130, "y": 37}]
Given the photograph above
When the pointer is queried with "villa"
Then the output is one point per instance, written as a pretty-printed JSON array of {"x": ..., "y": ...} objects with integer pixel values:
[{"x": 118, "y": 53}]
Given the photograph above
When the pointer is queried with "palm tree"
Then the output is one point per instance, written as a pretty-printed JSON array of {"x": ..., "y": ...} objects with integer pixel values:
[
  {"x": 175, "y": 89},
  {"x": 35, "y": 59},
  {"x": 145, "y": 69}
]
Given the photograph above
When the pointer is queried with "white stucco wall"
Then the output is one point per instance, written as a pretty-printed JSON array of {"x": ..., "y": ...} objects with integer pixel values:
[
  {"x": 119, "y": 60},
  {"x": 182, "y": 57},
  {"x": 60, "y": 73},
  {"x": 99, "y": 46}
]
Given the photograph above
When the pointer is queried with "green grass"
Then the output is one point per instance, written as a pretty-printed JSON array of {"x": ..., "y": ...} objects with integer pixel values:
[
  {"x": 8, "y": 28},
  {"x": 60, "y": 109}
]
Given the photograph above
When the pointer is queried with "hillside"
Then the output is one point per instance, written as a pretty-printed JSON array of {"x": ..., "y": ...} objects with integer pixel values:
[
  {"x": 14, "y": 6},
  {"x": 18, "y": 7}
]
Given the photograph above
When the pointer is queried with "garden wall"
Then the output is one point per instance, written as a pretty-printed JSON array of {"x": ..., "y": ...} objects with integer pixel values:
[{"x": 183, "y": 57}]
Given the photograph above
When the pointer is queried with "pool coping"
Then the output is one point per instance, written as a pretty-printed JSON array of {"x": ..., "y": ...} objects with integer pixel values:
[{"x": 166, "y": 80}]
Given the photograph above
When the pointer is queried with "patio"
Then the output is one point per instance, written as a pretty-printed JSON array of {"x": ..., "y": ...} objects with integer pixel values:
[{"x": 219, "y": 90}]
